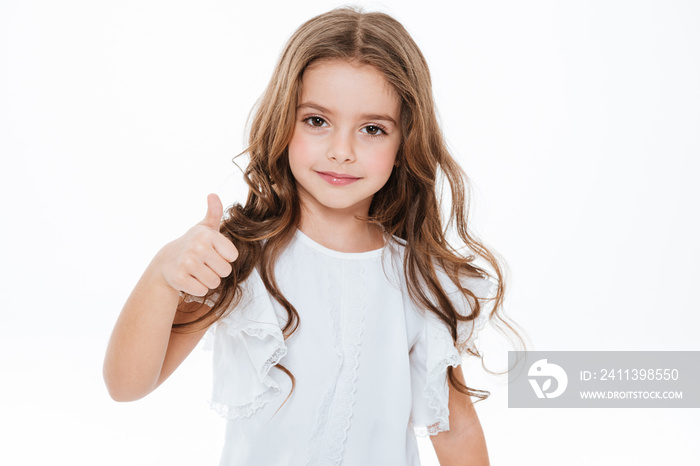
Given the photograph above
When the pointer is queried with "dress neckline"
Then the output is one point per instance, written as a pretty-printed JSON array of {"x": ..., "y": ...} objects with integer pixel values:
[{"x": 338, "y": 254}]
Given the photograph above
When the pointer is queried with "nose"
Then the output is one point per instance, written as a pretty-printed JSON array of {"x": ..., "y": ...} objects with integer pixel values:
[{"x": 341, "y": 148}]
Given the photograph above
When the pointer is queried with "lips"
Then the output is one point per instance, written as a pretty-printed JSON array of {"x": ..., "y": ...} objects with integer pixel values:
[
  {"x": 339, "y": 176},
  {"x": 337, "y": 179}
]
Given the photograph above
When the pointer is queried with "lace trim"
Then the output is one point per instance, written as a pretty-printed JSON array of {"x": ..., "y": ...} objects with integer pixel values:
[
  {"x": 278, "y": 352},
  {"x": 199, "y": 299},
  {"x": 436, "y": 389},
  {"x": 426, "y": 431},
  {"x": 208, "y": 338},
  {"x": 316, "y": 442},
  {"x": 328, "y": 440},
  {"x": 348, "y": 374},
  {"x": 247, "y": 410}
]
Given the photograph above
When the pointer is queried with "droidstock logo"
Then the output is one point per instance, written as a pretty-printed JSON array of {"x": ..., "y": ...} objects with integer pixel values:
[{"x": 547, "y": 371}]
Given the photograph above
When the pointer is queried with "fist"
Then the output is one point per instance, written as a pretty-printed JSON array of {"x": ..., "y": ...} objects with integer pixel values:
[{"x": 196, "y": 262}]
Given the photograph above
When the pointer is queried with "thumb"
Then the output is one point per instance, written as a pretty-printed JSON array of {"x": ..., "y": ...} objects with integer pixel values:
[{"x": 215, "y": 211}]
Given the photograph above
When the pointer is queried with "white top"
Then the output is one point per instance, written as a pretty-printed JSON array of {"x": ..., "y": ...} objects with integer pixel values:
[{"x": 370, "y": 367}]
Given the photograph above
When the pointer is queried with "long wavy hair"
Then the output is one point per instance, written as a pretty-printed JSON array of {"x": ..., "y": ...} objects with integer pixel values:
[{"x": 407, "y": 206}]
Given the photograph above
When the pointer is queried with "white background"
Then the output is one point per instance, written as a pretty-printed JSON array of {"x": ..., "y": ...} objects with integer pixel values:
[{"x": 578, "y": 122}]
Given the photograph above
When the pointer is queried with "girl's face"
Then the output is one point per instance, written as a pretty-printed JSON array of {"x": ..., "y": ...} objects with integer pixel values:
[{"x": 345, "y": 138}]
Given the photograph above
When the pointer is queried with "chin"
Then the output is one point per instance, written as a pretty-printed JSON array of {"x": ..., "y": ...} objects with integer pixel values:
[
  {"x": 343, "y": 203},
  {"x": 340, "y": 205}
]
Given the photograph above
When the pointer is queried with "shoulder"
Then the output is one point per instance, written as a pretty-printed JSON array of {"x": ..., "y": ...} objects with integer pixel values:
[
  {"x": 395, "y": 246},
  {"x": 481, "y": 285}
]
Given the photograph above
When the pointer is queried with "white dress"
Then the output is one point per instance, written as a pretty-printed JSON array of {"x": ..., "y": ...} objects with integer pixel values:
[{"x": 370, "y": 366}]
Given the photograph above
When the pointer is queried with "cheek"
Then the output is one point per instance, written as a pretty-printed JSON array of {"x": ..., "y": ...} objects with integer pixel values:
[
  {"x": 299, "y": 151},
  {"x": 384, "y": 161}
]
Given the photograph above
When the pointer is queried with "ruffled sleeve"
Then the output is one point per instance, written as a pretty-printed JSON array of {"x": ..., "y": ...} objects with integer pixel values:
[
  {"x": 246, "y": 344},
  {"x": 434, "y": 351}
]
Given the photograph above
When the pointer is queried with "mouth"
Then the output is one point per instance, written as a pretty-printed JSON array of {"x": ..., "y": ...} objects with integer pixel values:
[
  {"x": 337, "y": 179},
  {"x": 340, "y": 176}
]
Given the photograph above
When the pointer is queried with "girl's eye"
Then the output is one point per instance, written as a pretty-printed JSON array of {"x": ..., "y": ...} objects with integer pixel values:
[
  {"x": 315, "y": 121},
  {"x": 374, "y": 130}
]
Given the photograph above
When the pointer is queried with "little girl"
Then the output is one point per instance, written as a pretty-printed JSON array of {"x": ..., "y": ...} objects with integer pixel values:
[{"x": 336, "y": 272}]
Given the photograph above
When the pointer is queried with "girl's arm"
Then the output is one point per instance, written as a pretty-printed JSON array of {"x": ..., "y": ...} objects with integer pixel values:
[
  {"x": 143, "y": 351},
  {"x": 464, "y": 444}
]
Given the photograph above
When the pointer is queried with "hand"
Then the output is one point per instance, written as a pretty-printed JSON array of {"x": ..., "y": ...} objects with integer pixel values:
[{"x": 196, "y": 262}]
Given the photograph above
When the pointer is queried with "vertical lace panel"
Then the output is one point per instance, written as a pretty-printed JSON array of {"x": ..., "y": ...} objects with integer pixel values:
[{"x": 347, "y": 310}]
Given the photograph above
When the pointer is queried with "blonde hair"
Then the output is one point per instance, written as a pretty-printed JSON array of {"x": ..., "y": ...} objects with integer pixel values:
[{"x": 407, "y": 206}]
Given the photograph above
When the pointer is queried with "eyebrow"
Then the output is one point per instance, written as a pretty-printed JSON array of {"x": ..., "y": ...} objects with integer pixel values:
[{"x": 365, "y": 116}]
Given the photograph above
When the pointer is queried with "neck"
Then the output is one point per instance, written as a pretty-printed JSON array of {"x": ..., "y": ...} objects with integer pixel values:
[{"x": 343, "y": 233}]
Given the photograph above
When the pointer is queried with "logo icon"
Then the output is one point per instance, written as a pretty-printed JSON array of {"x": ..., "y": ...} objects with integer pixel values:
[{"x": 543, "y": 369}]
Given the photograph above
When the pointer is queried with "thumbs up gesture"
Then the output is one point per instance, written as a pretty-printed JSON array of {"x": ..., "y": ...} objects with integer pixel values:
[{"x": 196, "y": 262}]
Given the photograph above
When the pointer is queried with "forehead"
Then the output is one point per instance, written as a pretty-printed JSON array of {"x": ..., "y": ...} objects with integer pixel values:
[{"x": 349, "y": 87}]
